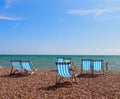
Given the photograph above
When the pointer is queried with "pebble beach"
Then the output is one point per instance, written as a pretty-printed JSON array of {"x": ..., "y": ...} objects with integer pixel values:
[{"x": 42, "y": 85}]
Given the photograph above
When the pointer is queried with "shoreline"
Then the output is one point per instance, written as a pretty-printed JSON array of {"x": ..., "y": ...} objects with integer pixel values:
[{"x": 42, "y": 86}]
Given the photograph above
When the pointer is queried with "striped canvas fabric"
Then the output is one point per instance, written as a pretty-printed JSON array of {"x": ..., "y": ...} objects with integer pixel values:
[
  {"x": 97, "y": 65},
  {"x": 86, "y": 64},
  {"x": 26, "y": 65},
  {"x": 16, "y": 64},
  {"x": 64, "y": 69}
]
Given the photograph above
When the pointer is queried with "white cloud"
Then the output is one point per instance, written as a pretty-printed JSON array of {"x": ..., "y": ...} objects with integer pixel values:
[
  {"x": 6, "y": 18},
  {"x": 9, "y": 18},
  {"x": 94, "y": 12}
]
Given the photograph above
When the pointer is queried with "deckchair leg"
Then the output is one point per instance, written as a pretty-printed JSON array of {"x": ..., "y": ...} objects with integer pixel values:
[
  {"x": 57, "y": 81},
  {"x": 74, "y": 79},
  {"x": 92, "y": 72},
  {"x": 11, "y": 70},
  {"x": 56, "y": 78},
  {"x": 81, "y": 69},
  {"x": 14, "y": 71},
  {"x": 103, "y": 72}
]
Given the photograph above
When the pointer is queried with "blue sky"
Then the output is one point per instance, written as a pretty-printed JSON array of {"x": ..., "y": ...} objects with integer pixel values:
[{"x": 87, "y": 27}]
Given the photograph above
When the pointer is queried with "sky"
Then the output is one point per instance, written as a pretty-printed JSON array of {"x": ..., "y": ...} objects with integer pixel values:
[{"x": 70, "y": 27}]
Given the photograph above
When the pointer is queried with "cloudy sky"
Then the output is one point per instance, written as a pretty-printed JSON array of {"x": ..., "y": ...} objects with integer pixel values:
[{"x": 82, "y": 27}]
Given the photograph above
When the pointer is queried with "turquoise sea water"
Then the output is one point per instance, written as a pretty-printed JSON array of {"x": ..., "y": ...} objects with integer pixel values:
[{"x": 48, "y": 61}]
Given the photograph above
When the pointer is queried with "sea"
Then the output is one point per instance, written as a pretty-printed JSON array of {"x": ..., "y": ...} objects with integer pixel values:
[{"x": 48, "y": 61}]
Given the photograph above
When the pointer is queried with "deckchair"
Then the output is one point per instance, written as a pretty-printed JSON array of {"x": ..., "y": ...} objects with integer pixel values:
[
  {"x": 16, "y": 66},
  {"x": 98, "y": 65},
  {"x": 67, "y": 59},
  {"x": 86, "y": 65},
  {"x": 63, "y": 70},
  {"x": 60, "y": 59},
  {"x": 28, "y": 66}
]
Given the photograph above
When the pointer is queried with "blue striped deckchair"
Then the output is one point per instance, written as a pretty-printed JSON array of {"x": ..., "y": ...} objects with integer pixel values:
[
  {"x": 60, "y": 59},
  {"x": 67, "y": 60},
  {"x": 28, "y": 66},
  {"x": 63, "y": 70},
  {"x": 86, "y": 65},
  {"x": 16, "y": 66},
  {"x": 98, "y": 65}
]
